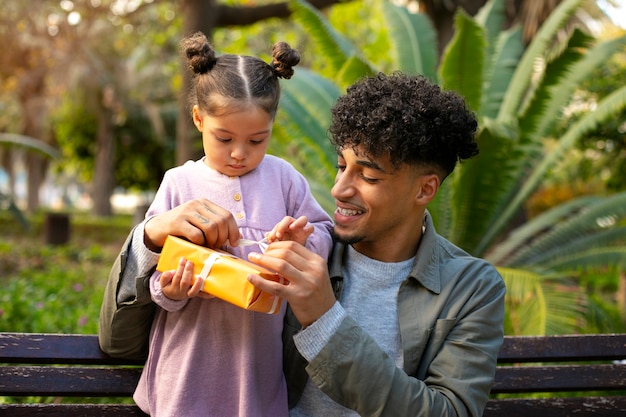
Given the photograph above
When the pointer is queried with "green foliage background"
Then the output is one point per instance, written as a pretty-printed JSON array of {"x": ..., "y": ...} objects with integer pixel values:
[{"x": 56, "y": 289}]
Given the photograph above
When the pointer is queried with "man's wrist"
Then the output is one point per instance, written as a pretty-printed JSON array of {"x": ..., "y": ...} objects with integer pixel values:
[{"x": 311, "y": 340}]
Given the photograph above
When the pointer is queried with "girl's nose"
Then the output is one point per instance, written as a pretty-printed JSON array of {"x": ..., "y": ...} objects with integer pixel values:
[{"x": 238, "y": 153}]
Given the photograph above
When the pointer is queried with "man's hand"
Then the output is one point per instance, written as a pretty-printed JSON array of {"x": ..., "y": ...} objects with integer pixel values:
[
  {"x": 199, "y": 221},
  {"x": 308, "y": 290}
]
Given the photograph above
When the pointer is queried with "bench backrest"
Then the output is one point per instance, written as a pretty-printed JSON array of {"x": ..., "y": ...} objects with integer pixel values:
[{"x": 559, "y": 364}]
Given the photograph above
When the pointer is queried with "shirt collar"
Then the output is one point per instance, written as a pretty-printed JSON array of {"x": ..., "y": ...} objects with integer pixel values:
[{"x": 425, "y": 269}]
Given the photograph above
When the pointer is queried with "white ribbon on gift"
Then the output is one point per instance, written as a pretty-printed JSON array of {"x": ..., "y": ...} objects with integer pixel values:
[
  {"x": 276, "y": 299},
  {"x": 208, "y": 264},
  {"x": 216, "y": 257},
  {"x": 248, "y": 242}
]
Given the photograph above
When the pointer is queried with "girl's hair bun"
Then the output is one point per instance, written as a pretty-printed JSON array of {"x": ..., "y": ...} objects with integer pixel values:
[
  {"x": 200, "y": 55},
  {"x": 284, "y": 59}
]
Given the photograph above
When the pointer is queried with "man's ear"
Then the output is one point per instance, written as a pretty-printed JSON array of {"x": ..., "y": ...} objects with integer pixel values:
[
  {"x": 428, "y": 190},
  {"x": 197, "y": 117}
]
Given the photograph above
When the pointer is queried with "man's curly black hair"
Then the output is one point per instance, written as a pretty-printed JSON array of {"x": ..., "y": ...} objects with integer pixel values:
[{"x": 407, "y": 118}]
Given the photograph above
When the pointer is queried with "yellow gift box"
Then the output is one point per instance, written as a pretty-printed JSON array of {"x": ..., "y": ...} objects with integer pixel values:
[{"x": 224, "y": 274}]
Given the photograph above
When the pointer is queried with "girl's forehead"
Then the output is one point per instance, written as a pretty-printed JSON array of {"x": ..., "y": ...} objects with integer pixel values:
[
  {"x": 223, "y": 106},
  {"x": 250, "y": 121}
]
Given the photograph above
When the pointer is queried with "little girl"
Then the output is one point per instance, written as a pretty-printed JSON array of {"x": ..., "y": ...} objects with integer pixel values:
[{"x": 206, "y": 356}]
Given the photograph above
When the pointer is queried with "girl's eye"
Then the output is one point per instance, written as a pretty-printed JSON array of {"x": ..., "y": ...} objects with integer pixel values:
[{"x": 223, "y": 140}]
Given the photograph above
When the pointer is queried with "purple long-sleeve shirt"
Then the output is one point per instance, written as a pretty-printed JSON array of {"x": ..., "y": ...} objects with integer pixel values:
[{"x": 208, "y": 357}]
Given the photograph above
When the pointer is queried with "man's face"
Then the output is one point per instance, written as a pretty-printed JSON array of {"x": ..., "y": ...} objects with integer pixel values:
[{"x": 377, "y": 210}]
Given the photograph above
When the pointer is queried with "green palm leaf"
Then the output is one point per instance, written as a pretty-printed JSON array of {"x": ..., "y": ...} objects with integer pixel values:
[
  {"x": 582, "y": 69},
  {"x": 524, "y": 300},
  {"x": 550, "y": 89},
  {"x": 482, "y": 182},
  {"x": 538, "y": 304},
  {"x": 413, "y": 41},
  {"x": 500, "y": 69},
  {"x": 591, "y": 258},
  {"x": 508, "y": 251},
  {"x": 514, "y": 98},
  {"x": 461, "y": 68},
  {"x": 478, "y": 184},
  {"x": 607, "y": 108},
  {"x": 335, "y": 47},
  {"x": 491, "y": 18},
  {"x": 353, "y": 69},
  {"x": 589, "y": 222},
  {"x": 300, "y": 131}
]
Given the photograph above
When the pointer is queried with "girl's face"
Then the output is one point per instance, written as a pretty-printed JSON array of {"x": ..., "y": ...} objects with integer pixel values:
[{"x": 235, "y": 143}]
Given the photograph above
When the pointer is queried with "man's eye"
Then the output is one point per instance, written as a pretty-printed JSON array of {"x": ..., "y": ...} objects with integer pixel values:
[
  {"x": 340, "y": 167},
  {"x": 369, "y": 180}
]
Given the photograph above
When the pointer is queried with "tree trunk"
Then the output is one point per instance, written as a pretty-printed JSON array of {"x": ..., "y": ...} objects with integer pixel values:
[
  {"x": 36, "y": 167},
  {"x": 198, "y": 15},
  {"x": 32, "y": 92},
  {"x": 7, "y": 162},
  {"x": 103, "y": 181}
]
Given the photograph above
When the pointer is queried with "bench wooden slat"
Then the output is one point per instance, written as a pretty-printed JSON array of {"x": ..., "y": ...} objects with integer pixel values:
[
  {"x": 67, "y": 410},
  {"x": 35, "y": 348},
  {"x": 556, "y": 407},
  {"x": 518, "y": 379},
  {"x": 521, "y": 349},
  {"x": 56, "y": 365},
  {"x": 68, "y": 381}
]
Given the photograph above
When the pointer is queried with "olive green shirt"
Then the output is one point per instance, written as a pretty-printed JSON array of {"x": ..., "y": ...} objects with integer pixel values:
[{"x": 451, "y": 313}]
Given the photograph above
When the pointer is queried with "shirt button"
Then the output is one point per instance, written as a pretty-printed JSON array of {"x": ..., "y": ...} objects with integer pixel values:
[
  {"x": 237, "y": 197},
  {"x": 239, "y": 215}
]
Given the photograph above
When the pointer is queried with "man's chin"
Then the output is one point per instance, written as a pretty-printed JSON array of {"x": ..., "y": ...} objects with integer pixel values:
[{"x": 345, "y": 238}]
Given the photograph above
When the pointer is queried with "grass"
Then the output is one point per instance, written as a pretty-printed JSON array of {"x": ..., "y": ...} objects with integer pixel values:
[{"x": 56, "y": 288}]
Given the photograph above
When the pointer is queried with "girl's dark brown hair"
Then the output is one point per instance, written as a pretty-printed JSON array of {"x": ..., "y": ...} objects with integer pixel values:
[{"x": 231, "y": 82}]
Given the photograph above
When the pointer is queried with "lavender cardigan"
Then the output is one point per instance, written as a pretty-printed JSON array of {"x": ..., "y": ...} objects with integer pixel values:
[{"x": 207, "y": 357}]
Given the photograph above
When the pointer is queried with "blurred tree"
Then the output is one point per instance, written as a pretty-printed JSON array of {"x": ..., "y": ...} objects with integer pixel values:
[
  {"x": 101, "y": 57},
  {"x": 120, "y": 82},
  {"x": 24, "y": 64}
]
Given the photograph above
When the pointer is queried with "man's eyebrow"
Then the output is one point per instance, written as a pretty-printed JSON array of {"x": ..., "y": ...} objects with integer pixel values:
[
  {"x": 366, "y": 163},
  {"x": 369, "y": 164}
]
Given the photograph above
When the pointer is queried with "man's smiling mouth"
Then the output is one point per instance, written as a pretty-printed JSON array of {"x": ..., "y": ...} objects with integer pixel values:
[{"x": 348, "y": 212}]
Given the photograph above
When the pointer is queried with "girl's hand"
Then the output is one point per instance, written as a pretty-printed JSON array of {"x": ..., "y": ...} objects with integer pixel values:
[
  {"x": 181, "y": 283},
  {"x": 297, "y": 230}
]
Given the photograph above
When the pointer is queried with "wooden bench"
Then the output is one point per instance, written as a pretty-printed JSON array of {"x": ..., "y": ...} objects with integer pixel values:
[{"x": 55, "y": 366}]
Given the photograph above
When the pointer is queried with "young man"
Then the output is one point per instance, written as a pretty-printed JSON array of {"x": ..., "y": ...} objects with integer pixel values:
[{"x": 399, "y": 322}]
